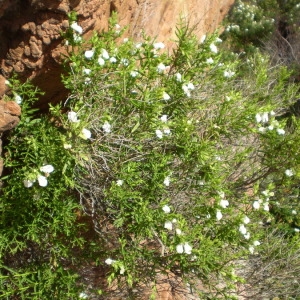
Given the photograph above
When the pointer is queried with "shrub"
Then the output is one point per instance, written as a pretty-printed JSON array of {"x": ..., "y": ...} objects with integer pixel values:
[{"x": 158, "y": 164}]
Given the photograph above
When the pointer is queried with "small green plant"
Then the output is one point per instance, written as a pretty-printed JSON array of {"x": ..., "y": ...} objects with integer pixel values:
[{"x": 160, "y": 164}]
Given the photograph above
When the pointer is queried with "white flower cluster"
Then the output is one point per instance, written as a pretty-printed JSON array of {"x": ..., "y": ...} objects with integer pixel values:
[
  {"x": 265, "y": 203},
  {"x": 159, "y": 45},
  {"x": 187, "y": 88},
  {"x": 264, "y": 118},
  {"x": 184, "y": 248},
  {"x": 255, "y": 244},
  {"x": 224, "y": 203},
  {"x": 243, "y": 230},
  {"x": 18, "y": 99},
  {"x": 229, "y": 73},
  {"x": 110, "y": 261},
  {"x": 42, "y": 180},
  {"x": 162, "y": 68},
  {"x": 77, "y": 32},
  {"x": 213, "y": 48},
  {"x": 165, "y": 131},
  {"x": 85, "y": 133},
  {"x": 83, "y": 295},
  {"x": 233, "y": 27}
]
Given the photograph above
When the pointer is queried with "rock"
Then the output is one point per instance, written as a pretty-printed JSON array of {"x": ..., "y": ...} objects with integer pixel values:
[
  {"x": 9, "y": 115},
  {"x": 1, "y": 160},
  {"x": 3, "y": 86}
]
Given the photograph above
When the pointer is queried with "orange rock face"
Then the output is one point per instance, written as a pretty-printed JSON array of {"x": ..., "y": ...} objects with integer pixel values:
[{"x": 31, "y": 30}]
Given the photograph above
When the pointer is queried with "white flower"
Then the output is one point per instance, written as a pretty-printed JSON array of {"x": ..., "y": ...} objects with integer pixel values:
[
  {"x": 89, "y": 54},
  {"x": 86, "y": 134},
  {"x": 208, "y": 216},
  {"x": 202, "y": 39},
  {"x": 109, "y": 261},
  {"x": 256, "y": 204},
  {"x": 256, "y": 243},
  {"x": 101, "y": 61},
  {"x": 224, "y": 203},
  {"x": 106, "y": 127},
  {"x": 186, "y": 90},
  {"x": 210, "y": 61},
  {"x": 228, "y": 73},
  {"x": 178, "y": 231},
  {"x": 242, "y": 229},
  {"x": 251, "y": 249},
  {"x": 265, "y": 117},
  {"x": 288, "y": 172},
  {"x": 67, "y": 146},
  {"x": 296, "y": 229},
  {"x": 47, "y": 169},
  {"x": 166, "y": 209},
  {"x": 83, "y": 295},
  {"x": 246, "y": 220},
  {"x": 42, "y": 180},
  {"x": 113, "y": 60},
  {"x": 179, "y": 248},
  {"x": 166, "y": 96},
  {"x": 187, "y": 248},
  {"x": 213, "y": 48},
  {"x": 247, "y": 236},
  {"x": 219, "y": 215},
  {"x": 218, "y": 40},
  {"x": 28, "y": 183},
  {"x": 72, "y": 117},
  {"x": 125, "y": 61},
  {"x": 122, "y": 270},
  {"x": 258, "y": 118},
  {"x": 104, "y": 54},
  {"x": 262, "y": 129},
  {"x": 117, "y": 27},
  {"x": 87, "y": 80},
  {"x": 18, "y": 99},
  {"x": 120, "y": 182},
  {"x": 159, "y": 45},
  {"x": 190, "y": 86},
  {"x": 178, "y": 77},
  {"x": 272, "y": 113},
  {"x": 134, "y": 73},
  {"x": 167, "y": 131},
  {"x": 266, "y": 206},
  {"x": 125, "y": 40},
  {"x": 168, "y": 225},
  {"x": 76, "y": 27},
  {"x": 174, "y": 220},
  {"x": 7, "y": 82},
  {"x": 164, "y": 118},
  {"x": 294, "y": 212},
  {"x": 159, "y": 133},
  {"x": 280, "y": 131},
  {"x": 160, "y": 68},
  {"x": 167, "y": 181},
  {"x": 138, "y": 45},
  {"x": 87, "y": 71}
]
